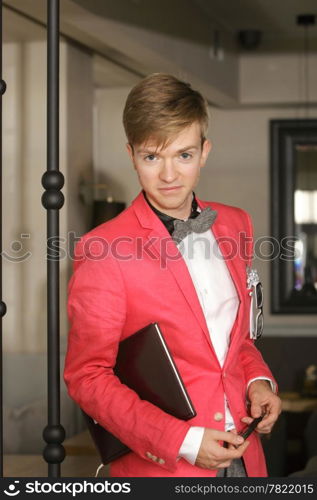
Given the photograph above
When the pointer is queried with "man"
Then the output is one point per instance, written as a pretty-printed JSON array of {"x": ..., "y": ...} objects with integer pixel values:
[{"x": 135, "y": 269}]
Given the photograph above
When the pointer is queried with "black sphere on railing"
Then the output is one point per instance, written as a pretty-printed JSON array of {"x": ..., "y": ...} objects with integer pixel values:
[
  {"x": 54, "y": 452},
  {"x": 52, "y": 181},
  {"x": 3, "y": 87},
  {"x": 54, "y": 434},
  {"x": 3, "y": 308},
  {"x": 52, "y": 199}
]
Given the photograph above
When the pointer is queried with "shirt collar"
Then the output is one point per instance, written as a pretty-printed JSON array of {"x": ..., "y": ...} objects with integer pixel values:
[{"x": 168, "y": 220}]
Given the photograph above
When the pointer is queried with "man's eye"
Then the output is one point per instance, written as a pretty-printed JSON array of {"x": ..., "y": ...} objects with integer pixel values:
[
  {"x": 150, "y": 157},
  {"x": 186, "y": 156}
]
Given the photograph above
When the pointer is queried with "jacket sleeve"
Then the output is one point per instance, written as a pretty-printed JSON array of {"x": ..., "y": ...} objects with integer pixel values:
[
  {"x": 250, "y": 357},
  {"x": 253, "y": 363},
  {"x": 97, "y": 311}
]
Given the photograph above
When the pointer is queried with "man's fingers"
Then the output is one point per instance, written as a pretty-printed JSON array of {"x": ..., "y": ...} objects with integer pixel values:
[
  {"x": 231, "y": 438},
  {"x": 228, "y": 454},
  {"x": 269, "y": 420},
  {"x": 271, "y": 408},
  {"x": 231, "y": 446},
  {"x": 256, "y": 410},
  {"x": 265, "y": 430},
  {"x": 266, "y": 424},
  {"x": 235, "y": 451},
  {"x": 213, "y": 451},
  {"x": 264, "y": 427},
  {"x": 247, "y": 420}
]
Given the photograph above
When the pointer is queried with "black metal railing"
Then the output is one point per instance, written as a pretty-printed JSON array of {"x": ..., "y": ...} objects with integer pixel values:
[
  {"x": 53, "y": 200},
  {"x": 2, "y": 304}
]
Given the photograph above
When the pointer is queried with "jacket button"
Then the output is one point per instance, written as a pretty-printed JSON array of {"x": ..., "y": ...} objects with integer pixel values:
[
  {"x": 149, "y": 455},
  {"x": 218, "y": 416},
  {"x": 161, "y": 461}
]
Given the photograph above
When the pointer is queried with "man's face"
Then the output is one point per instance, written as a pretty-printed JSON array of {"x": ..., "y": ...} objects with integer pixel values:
[{"x": 168, "y": 176}]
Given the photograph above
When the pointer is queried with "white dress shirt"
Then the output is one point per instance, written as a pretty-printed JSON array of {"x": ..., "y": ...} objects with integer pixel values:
[{"x": 219, "y": 301}]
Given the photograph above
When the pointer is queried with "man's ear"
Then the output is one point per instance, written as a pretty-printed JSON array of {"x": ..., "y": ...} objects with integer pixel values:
[
  {"x": 207, "y": 146},
  {"x": 130, "y": 152}
]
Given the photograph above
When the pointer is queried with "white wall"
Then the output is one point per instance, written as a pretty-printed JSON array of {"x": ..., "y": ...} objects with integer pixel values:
[
  {"x": 12, "y": 193},
  {"x": 78, "y": 127},
  {"x": 112, "y": 165},
  {"x": 276, "y": 79},
  {"x": 24, "y": 162}
]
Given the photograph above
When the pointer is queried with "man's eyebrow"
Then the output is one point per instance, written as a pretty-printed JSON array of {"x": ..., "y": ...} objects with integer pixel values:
[
  {"x": 154, "y": 150},
  {"x": 149, "y": 151},
  {"x": 187, "y": 148}
]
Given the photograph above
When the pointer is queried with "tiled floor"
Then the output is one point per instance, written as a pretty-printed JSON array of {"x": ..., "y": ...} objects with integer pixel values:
[{"x": 35, "y": 466}]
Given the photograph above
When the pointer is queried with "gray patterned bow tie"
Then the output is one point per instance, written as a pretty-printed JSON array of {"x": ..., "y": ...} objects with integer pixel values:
[{"x": 199, "y": 224}]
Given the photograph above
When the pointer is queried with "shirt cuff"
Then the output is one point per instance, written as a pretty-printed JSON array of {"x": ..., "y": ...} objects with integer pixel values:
[
  {"x": 273, "y": 385},
  {"x": 191, "y": 444}
]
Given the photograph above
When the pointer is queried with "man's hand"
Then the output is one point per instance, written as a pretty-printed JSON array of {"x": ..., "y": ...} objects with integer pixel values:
[
  {"x": 212, "y": 455},
  {"x": 263, "y": 400}
]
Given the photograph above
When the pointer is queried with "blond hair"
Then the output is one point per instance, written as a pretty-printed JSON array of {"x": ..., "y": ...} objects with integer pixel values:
[{"x": 159, "y": 107}]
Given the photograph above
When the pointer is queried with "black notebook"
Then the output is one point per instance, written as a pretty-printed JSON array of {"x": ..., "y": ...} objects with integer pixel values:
[{"x": 144, "y": 364}]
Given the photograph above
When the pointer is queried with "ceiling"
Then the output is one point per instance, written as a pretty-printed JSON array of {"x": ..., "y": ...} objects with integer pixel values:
[
  {"x": 17, "y": 28},
  {"x": 196, "y": 19},
  {"x": 193, "y": 20}
]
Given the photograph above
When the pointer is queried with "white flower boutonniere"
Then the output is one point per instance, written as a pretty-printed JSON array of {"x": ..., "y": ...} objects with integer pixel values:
[{"x": 252, "y": 277}]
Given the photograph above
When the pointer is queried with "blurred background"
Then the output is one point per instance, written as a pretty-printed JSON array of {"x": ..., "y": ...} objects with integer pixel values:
[{"x": 255, "y": 61}]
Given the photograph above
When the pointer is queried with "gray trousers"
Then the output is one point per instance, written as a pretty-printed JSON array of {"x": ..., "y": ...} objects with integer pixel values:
[{"x": 235, "y": 469}]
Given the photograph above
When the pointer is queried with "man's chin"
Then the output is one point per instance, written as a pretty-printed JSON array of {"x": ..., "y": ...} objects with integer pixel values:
[
  {"x": 170, "y": 205},
  {"x": 171, "y": 202}
]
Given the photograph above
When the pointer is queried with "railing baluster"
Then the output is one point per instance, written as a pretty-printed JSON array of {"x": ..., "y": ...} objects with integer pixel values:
[
  {"x": 53, "y": 200},
  {"x": 2, "y": 304}
]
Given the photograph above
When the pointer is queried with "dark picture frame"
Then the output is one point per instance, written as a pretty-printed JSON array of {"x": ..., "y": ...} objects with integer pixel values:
[{"x": 285, "y": 137}]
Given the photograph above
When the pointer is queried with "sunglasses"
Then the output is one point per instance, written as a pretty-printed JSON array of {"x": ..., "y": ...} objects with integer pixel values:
[{"x": 256, "y": 312}]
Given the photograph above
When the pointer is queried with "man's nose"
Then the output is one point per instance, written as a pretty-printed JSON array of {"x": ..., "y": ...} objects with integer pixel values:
[{"x": 168, "y": 171}]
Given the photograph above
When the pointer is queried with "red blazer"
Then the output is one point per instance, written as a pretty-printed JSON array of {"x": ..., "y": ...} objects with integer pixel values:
[{"x": 128, "y": 272}]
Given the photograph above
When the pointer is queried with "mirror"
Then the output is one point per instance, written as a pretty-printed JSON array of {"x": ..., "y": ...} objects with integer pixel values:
[{"x": 294, "y": 216}]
